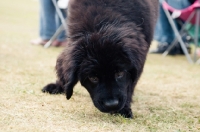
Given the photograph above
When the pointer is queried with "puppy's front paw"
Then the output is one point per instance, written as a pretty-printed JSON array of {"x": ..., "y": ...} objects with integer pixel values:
[
  {"x": 126, "y": 113},
  {"x": 53, "y": 88}
]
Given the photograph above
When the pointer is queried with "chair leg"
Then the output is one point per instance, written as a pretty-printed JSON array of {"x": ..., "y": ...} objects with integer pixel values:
[
  {"x": 196, "y": 39},
  {"x": 58, "y": 10},
  {"x": 178, "y": 37},
  {"x": 174, "y": 43},
  {"x": 58, "y": 31},
  {"x": 181, "y": 33}
]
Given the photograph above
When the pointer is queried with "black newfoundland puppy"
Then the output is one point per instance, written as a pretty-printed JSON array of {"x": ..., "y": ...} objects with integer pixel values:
[{"x": 108, "y": 44}]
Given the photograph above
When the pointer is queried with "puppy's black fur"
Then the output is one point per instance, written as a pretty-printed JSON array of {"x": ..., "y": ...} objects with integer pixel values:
[{"x": 108, "y": 44}]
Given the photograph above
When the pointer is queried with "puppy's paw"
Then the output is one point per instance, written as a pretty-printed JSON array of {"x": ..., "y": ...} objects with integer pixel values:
[
  {"x": 126, "y": 113},
  {"x": 53, "y": 88}
]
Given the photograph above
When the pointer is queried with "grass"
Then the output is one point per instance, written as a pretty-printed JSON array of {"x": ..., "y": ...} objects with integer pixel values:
[{"x": 166, "y": 98}]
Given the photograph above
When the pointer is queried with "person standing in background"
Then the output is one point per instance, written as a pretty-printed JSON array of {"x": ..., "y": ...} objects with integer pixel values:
[
  {"x": 49, "y": 22},
  {"x": 164, "y": 33}
]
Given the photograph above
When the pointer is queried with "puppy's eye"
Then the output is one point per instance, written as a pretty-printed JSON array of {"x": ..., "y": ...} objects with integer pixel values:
[
  {"x": 119, "y": 75},
  {"x": 94, "y": 79}
]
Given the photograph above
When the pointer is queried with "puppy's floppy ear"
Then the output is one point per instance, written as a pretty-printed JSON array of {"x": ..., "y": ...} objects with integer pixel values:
[{"x": 66, "y": 69}]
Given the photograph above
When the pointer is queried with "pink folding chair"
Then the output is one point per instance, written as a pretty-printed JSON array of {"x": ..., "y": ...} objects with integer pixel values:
[{"x": 190, "y": 15}]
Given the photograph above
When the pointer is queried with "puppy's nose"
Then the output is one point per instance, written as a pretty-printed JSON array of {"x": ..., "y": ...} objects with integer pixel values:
[{"x": 111, "y": 104}]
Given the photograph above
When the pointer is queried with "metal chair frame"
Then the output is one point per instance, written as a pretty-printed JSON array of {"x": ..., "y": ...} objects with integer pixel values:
[{"x": 195, "y": 13}]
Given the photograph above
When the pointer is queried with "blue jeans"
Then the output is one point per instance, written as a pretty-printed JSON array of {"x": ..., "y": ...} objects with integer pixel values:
[
  {"x": 49, "y": 21},
  {"x": 163, "y": 31}
]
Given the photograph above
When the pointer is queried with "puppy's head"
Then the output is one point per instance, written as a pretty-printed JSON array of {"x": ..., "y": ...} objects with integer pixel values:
[
  {"x": 108, "y": 66},
  {"x": 106, "y": 73}
]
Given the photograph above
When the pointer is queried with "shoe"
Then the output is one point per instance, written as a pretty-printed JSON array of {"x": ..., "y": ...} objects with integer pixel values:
[
  {"x": 57, "y": 43},
  {"x": 160, "y": 49},
  {"x": 64, "y": 43},
  {"x": 180, "y": 51},
  {"x": 176, "y": 50},
  {"x": 39, "y": 41}
]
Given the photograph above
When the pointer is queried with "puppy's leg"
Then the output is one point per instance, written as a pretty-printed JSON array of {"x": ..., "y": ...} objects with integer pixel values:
[
  {"x": 53, "y": 88},
  {"x": 126, "y": 112}
]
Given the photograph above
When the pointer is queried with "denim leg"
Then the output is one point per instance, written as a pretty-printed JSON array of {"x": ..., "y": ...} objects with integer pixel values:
[
  {"x": 178, "y": 4},
  {"x": 47, "y": 19},
  {"x": 163, "y": 31}
]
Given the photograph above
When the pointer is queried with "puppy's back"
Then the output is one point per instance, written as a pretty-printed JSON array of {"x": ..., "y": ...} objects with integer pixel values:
[{"x": 85, "y": 15}]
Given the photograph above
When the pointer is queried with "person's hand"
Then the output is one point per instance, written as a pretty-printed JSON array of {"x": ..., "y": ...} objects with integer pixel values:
[{"x": 63, "y": 4}]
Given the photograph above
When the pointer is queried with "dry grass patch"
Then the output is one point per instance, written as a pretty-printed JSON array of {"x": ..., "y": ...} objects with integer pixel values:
[{"x": 166, "y": 98}]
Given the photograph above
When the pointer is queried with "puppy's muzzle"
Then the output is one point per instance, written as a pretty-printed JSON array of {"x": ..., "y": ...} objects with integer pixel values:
[{"x": 111, "y": 104}]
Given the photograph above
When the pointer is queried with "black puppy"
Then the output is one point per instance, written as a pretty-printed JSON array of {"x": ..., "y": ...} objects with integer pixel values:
[{"x": 108, "y": 44}]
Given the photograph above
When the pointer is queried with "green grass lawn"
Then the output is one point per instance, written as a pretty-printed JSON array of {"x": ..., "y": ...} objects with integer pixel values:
[{"x": 167, "y": 97}]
